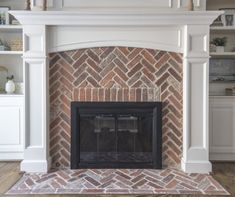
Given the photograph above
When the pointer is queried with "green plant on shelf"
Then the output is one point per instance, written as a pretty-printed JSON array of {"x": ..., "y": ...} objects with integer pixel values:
[
  {"x": 10, "y": 78},
  {"x": 219, "y": 41},
  {"x": 7, "y": 46},
  {"x": 4, "y": 46}
]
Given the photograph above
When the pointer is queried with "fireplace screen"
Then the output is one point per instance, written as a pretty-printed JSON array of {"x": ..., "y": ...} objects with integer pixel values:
[{"x": 116, "y": 135}]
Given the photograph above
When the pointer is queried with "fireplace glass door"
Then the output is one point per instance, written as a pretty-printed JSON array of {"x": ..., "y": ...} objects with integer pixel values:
[{"x": 116, "y": 138}]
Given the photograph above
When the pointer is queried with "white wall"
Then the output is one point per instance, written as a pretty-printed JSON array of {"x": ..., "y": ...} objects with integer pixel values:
[
  {"x": 75, "y": 4},
  {"x": 159, "y": 4},
  {"x": 217, "y": 4},
  {"x": 13, "y": 4}
]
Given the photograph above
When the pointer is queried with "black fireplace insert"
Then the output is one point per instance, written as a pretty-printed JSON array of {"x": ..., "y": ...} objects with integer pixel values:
[{"x": 116, "y": 135}]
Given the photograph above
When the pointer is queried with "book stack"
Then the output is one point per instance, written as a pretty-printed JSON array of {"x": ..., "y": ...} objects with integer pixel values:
[
  {"x": 16, "y": 45},
  {"x": 230, "y": 91}
]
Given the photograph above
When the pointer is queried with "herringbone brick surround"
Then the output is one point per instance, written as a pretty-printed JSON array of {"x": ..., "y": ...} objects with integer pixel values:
[
  {"x": 115, "y": 74},
  {"x": 136, "y": 182}
]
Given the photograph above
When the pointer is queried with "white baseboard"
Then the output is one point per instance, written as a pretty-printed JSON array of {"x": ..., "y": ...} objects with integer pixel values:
[
  {"x": 35, "y": 165},
  {"x": 196, "y": 166},
  {"x": 12, "y": 156},
  {"x": 222, "y": 156}
]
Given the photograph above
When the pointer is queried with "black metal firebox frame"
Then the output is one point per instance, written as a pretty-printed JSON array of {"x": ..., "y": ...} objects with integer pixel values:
[{"x": 155, "y": 108}]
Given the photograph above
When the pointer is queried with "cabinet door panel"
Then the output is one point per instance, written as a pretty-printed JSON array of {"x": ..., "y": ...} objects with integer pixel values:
[
  {"x": 9, "y": 125},
  {"x": 222, "y": 127}
]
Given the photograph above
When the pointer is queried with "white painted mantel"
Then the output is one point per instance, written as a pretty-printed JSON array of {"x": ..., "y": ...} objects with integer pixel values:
[{"x": 177, "y": 31}]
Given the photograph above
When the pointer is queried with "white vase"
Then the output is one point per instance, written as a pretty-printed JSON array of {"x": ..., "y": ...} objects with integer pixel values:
[
  {"x": 10, "y": 87},
  {"x": 190, "y": 5},
  {"x": 39, "y": 5},
  {"x": 219, "y": 49}
]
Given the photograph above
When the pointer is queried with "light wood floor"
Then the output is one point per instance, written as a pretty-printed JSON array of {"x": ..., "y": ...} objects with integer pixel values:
[{"x": 9, "y": 174}]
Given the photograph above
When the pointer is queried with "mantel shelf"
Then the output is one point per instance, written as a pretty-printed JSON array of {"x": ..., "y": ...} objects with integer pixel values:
[{"x": 116, "y": 17}]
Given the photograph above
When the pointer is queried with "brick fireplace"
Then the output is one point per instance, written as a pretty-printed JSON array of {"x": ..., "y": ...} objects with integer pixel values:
[
  {"x": 115, "y": 74},
  {"x": 113, "y": 54}
]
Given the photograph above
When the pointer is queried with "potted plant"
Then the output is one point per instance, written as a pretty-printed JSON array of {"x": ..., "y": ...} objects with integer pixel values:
[
  {"x": 220, "y": 44},
  {"x": 2, "y": 47}
]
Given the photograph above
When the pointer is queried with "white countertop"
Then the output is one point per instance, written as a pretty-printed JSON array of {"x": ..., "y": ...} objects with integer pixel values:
[{"x": 2, "y": 94}]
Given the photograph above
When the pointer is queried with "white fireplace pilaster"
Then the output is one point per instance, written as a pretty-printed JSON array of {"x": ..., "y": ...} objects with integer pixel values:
[
  {"x": 185, "y": 32},
  {"x": 195, "y": 100},
  {"x": 36, "y": 157}
]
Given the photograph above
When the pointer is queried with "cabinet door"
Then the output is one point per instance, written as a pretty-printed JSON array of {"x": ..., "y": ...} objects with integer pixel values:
[
  {"x": 11, "y": 129},
  {"x": 10, "y": 125},
  {"x": 222, "y": 130}
]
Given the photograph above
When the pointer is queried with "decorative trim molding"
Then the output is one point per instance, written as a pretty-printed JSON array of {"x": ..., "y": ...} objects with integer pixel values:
[
  {"x": 116, "y": 17},
  {"x": 12, "y": 156},
  {"x": 35, "y": 166},
  {"x": 196, "y": 166},
  {"x": 167, "y": 38},
  {"x": 222, "y": 156},
  {"x": 119, "y": 26}
]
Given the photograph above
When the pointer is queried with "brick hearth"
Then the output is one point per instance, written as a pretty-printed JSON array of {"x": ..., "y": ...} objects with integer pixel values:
[
  {"x": 118, "y": 181},
  {"x": 115, "y": 74}
]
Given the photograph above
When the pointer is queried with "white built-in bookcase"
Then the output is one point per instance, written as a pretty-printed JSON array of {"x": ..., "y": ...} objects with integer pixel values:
[
  {"x": 221, "y": 105},
  {"x": 12, "y": 105}
]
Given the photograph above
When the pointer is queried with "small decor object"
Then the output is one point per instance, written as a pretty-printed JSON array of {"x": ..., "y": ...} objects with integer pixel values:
[
  {"x": 10, "y": 85},
  {"x": 212, "y": 48},
  {"x": 28, "y": 7},
  {"x": 218, "y": 22},
  {"x": 40, "y": 5},
  {"x": 3, "y": 77},
  {"x": 228, "y": 17},
  {"x": 220, "y": 44},
  {"x": 7, "y": 46},
  {"x": 44, "y": 5},
  {"x": 15, "y": 22},
  {"x": 4, "y": 15},
  {"x": 16, "y": 44},
  {"x": 230, "y": 90},
  {"x": 2, "y": 47},
  {"x": 19, "y": 88},
  {"x": 190, "y": 5}
]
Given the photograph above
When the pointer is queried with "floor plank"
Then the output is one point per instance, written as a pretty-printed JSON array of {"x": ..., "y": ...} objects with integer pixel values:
[{"x": 10, "y": 174}]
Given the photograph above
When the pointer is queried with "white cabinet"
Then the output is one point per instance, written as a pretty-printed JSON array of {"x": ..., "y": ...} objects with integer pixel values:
[
  {"x": 222, "y": 128},
  {"x": 11, "y": 127}
]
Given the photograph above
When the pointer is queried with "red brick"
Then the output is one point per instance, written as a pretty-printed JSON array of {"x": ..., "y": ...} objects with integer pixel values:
[
  {"x": 101, "y": 94},
  {"x": 82, "y": 94},
  {"x": 88, "y": 94},
  {"x": 115, "y": 74}
]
